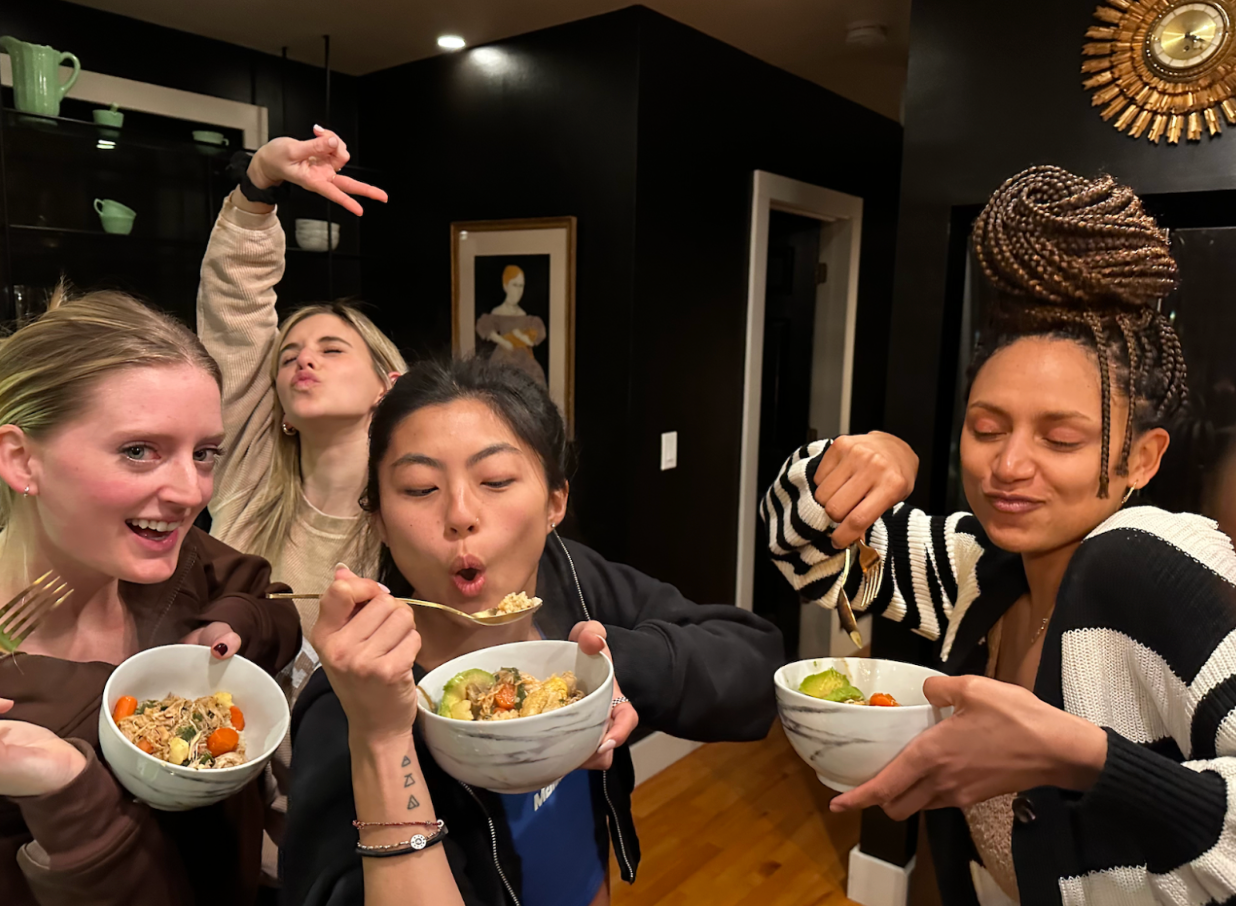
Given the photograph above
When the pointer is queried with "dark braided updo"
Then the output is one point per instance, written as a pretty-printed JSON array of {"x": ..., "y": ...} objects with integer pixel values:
[{"x": 1079, "y": 259}]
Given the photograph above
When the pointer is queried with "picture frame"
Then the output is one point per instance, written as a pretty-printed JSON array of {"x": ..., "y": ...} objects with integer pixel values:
[{"x": 513, "y": 298}]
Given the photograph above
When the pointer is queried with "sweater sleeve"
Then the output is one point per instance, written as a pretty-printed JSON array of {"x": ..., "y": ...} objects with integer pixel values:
[
  {"x": 94, "y": 844},
  {"x": 238, "y": 585},
  {"x": 238, "y": 325},
  {"x": 930, "y": 562},
  {"x": 1162, "y": 681},
  {"x": 696, "y": 671}
]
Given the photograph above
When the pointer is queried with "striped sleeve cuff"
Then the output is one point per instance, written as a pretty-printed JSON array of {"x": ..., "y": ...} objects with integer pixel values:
[{"x": 1187, "y": 808}]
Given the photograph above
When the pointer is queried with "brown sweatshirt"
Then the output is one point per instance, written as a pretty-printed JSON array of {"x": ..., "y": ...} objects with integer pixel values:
[{"x": 91, "y": 842}]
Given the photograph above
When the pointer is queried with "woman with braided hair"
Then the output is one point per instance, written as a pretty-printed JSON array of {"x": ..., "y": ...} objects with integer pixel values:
[{"x": 1089, "y": 647}]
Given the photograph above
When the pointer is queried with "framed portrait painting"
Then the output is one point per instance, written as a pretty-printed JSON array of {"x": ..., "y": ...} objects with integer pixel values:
[{"x": 513, "y": 298}]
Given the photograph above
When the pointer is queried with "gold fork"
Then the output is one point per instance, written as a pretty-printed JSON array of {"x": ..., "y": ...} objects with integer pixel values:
[
  {"x": 869, "y": 561},
  {"x": 22, "y": 615}
]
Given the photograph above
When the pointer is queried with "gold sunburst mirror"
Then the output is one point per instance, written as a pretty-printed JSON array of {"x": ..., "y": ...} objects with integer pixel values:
[{"x": 1163, "y": 67}]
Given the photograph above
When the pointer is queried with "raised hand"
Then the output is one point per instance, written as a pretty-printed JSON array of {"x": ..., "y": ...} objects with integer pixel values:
[
  {"x": 860, "y": 478},
  {"x": 623, "y": 718},
  {"x": 312, "y": 165}
]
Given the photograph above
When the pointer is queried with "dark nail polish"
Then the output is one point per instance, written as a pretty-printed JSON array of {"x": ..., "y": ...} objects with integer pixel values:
[{"x": 220, "y": 649}]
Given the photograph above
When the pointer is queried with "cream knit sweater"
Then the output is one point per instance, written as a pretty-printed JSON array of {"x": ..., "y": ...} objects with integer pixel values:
[{"x": 237, "y": 322}]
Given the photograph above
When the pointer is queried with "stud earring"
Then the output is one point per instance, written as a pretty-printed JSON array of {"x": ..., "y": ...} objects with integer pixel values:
[
  {"x": 289, "y": 430},
  {"x": 26, "y": 492}
]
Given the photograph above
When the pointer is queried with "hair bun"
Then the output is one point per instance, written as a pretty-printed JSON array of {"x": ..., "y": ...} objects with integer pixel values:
[{"x": 1050, "y": 236}]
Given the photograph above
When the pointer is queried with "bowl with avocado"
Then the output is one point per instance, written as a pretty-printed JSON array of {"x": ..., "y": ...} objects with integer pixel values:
[
  {"x": 830, "y": 709},
  {"x": 527, "y": 753}
]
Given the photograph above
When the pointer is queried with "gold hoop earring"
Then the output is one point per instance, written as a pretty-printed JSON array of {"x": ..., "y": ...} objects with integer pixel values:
[
  {"x": 289, "y": 430},
  {"x": 1127, "y": 494}
]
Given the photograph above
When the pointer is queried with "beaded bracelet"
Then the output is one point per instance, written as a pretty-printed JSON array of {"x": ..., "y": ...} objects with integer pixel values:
[
  {"x": 359, "y": 824},
  {"x": 403, "y": 847}
]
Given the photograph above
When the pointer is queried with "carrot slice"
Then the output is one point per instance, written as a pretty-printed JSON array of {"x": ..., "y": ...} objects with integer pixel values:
[
  {"x": 504, "y": 698},
  {"x": 222, "y": 741},
  {"x": 883, "y": 700},
  {"x": 238, "y": 717},
  {"x": 125, "y": 706},
  {"x": 146, "y": 746}
]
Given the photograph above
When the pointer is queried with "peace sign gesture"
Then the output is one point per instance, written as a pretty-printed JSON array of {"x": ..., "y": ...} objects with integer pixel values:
[{"x": 312, "y": 165}]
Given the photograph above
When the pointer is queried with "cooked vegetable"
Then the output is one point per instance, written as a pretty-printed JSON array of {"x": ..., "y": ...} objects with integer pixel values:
[
  {"x": 125, "y": 705},
  {"x": 146, "y": 746},
  {"x": 834, "y": 686},
  {"x": 505, "y": 695},
  {"x": 238, "y": 717},
  {"x": 222, "y": 741}
]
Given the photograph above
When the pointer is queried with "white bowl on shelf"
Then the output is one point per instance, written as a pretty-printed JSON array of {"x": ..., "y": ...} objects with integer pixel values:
[
  {"x": 523, "y": 754},
  {"x": 311, "y": 235},
  {"x": 191, "y": 671},
  {"x": 847, "y": 745}
]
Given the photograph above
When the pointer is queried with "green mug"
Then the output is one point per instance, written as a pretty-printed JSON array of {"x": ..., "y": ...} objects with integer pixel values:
[
  {"x": 112, "y": 117},
  {"x": 210, "y": 138},
  {"x": 116, "y": 217},
  {"x": 36, "y": 76}
]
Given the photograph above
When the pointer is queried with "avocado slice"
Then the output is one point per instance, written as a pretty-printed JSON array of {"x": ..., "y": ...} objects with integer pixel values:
[
  {"x": 456, "y": 690},
  {"x": 831, "y": 686}
]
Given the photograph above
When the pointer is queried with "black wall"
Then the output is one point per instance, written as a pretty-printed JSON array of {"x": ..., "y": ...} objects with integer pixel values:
[
  {"x": 131, "y": 49},
  {"x": 709, "y": 116},
  {"x": 989, "y": 95},
  {"x": 648, "y": 132}
]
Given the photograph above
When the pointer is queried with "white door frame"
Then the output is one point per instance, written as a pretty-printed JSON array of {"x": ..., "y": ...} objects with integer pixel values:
[{"x": 771, "y": 192}]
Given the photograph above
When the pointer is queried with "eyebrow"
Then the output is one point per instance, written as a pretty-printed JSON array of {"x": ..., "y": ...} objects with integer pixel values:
[
  {"x": 1057, "y": 416},
  {"x": 287, "y": 346},
  {"x": 420, "y": 459}
]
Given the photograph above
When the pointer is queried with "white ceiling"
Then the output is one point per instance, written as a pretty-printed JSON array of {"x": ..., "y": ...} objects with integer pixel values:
[{"x": 806, "y": 37}]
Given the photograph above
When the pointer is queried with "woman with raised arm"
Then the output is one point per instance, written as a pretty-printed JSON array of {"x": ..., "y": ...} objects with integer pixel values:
[
  {"x": 467, "y": 484},
  {"x": 110, "y": 429},
  {"x": 1090, "y": 647},
  {"x": 297, "y": 396}
]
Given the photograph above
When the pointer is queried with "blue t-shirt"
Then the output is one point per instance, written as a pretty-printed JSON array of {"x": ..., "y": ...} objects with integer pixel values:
[{"x": 555, "y": 837}]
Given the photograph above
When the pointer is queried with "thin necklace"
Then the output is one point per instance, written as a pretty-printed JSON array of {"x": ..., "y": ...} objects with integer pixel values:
[{"x": 1042, "y": 626}]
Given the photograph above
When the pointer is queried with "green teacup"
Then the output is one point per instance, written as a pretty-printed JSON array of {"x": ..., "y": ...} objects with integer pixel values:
[
  {"x": 209, "y": 138},
  {"x": 116, "y": 217},
  {"x": 105, "y": 117}
]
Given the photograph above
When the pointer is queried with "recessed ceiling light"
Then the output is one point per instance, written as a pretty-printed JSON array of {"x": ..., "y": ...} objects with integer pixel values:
[{"x": 452, "y": 42}]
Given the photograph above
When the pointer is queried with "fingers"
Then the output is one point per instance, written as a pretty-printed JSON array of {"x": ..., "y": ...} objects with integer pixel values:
[
  {"x": 898, "y": 776},
  {"x": 623, "y": 723},
  {"x": 331, "y": 191},
  {"x": 834, "y": 471},
  {"x": 356, "y": 187},
  {"x": 945, "y": 691},
  {"x": 398, "y": 624},
  {"x": 6, "y": 704},
  {"x": 225, "y": 646},
  {"x": 592, "y": 626},
  {"x": 339, "y": 603}
]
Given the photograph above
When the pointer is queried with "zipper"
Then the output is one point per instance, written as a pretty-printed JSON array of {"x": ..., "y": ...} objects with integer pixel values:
[
  {"x": 613, "y": 812},
  {"x": 493, "y": 838},
  {"x": 622, "y": 849}
]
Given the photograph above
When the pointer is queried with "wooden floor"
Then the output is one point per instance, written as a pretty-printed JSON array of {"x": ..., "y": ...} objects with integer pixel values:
[{"x": 739, "y": 823}]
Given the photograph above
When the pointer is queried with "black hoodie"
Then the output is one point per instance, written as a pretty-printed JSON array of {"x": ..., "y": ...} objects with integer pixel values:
[{"x": 701, "y": 672}]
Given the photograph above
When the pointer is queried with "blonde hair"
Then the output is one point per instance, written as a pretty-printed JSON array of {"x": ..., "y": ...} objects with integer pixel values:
[
  {"x": 509, "y": 273},
  {"x": 277, "y": 509},
  {"x": 50, "y": 366}
]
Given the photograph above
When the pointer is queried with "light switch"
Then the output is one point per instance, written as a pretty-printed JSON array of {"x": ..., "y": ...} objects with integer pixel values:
[{"x": 669, "y": 450}]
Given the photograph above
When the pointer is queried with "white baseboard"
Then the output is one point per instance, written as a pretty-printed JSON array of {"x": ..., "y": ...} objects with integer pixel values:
[
  {"x": 874, "y": 882},
  {"x": 653, "y": 754}
]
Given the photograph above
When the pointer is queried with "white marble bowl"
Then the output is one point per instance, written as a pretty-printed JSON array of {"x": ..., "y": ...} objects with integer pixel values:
[
  {"x": 846, "y": 745},
  {"x": 191, "y": 671},
  {"x": 526, "y": 753}
]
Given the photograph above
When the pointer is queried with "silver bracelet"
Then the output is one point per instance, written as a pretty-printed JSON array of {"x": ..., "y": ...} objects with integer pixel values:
[
  {"x": 620, "y": 700},
  {"x": 403, "y": 847}
]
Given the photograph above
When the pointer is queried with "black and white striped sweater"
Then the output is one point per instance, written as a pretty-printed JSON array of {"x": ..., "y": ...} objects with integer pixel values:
[{"x": 1142, "y": 643}]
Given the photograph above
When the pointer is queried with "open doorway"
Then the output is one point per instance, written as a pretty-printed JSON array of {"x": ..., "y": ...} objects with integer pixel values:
[{"x": 800, "y": 340}]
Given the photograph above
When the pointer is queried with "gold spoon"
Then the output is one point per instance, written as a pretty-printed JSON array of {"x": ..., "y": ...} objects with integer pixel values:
[{"x": 481, "y": 617}]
